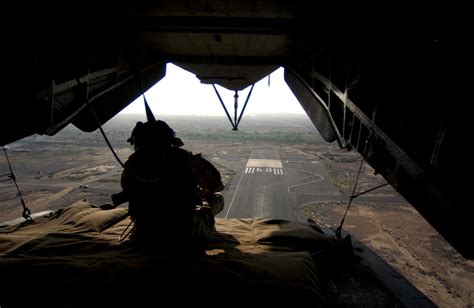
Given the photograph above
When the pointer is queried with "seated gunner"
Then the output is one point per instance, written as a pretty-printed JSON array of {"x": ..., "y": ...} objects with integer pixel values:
[{"x": 165, "y": 200}]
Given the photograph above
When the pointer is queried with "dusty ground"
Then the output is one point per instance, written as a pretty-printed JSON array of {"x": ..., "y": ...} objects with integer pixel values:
[
  {"x": 396, "y": 232},
  {"x": 51, "y": 177}
]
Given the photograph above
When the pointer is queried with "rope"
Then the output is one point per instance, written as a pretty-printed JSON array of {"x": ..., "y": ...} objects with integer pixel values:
[
  {"x": 338, "y": 230},
  {"x": 26, "y": 211},
  {"x": 369, "y": 190},
  {"x": 104, "y": 135},
  {"x": 113, "y": 150},
  {"x": 353, "y": 195},
  {"x": 149, "y": 116}
]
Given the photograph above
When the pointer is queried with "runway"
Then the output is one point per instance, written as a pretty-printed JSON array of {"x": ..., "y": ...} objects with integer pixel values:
[{"x": 273, "y": 186}]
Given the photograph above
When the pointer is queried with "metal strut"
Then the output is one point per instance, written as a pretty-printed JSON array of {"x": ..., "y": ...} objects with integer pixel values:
[
  {"x": 26, "y": 211},
  {"x": 235, "y": 122}
]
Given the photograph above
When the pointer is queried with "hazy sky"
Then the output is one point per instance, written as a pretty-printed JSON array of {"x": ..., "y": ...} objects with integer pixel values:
[{"x": 181, "y": 92}]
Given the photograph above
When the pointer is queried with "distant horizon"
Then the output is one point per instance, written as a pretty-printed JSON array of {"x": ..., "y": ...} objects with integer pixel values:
[{"x": 181, "y": 93}]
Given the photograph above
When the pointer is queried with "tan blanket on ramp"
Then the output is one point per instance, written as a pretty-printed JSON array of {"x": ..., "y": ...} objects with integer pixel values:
[{"x": 75, "y": 259}]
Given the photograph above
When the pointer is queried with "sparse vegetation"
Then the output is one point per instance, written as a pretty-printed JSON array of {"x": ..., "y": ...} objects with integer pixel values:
[
  {"x": 290, "y": 129},
  {"x": 274, "y": 136}
]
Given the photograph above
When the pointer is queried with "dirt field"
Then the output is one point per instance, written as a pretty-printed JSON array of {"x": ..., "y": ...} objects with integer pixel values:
[{"x": 396, "y": 232}]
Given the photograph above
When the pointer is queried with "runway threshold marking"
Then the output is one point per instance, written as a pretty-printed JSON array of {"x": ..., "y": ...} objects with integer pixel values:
[{"x": 264, "y": 165}]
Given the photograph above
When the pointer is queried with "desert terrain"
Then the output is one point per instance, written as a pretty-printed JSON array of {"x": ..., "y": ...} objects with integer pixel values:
[{"x": 55, "y": 171}]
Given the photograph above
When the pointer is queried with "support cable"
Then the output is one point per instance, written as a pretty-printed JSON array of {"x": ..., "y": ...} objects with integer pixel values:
[
  {"x": 114, "y": 153},
  {"x": 245, "y": 104},
  {"x": 223, "y": 106},
  {"x": 26, "y": 211},
  {"x": 354, "y": 195},
  {"x": 235, "y": 122},
  {"x": 117, "y": 158}
]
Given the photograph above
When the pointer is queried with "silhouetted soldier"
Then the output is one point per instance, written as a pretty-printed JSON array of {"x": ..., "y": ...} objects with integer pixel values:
[{"x": 160, "y": 184}]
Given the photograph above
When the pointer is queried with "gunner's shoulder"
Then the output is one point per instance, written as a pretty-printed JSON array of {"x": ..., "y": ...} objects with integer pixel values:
[{"x": 180, "y": 153}]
